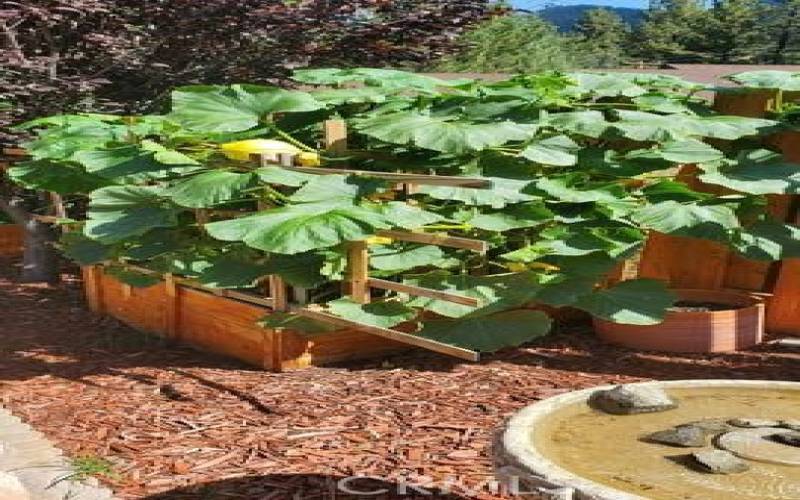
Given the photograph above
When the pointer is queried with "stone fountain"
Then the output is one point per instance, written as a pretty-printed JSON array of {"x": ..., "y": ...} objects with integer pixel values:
[{"x": 682, "y": 440}]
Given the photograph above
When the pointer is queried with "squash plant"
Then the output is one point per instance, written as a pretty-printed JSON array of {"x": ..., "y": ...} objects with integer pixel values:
[{"x": 582, "y": 167}]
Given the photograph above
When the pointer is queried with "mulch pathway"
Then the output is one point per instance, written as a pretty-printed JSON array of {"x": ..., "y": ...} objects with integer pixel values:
[{"x": 181, "y": 424}]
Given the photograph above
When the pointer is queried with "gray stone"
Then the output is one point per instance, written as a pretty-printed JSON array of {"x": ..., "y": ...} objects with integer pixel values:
[
  {"x": 752, "y": 423},
  {"x": 720, "y": 462},
  {"x": 712, "y": 426},
  {"x": 758, "y": 444},
  {"x": 687, "y": 436},
  {"x": 632, "y": 399},
  {"x": 790, "y": 424},
  {"x": 790, "y": 438}
]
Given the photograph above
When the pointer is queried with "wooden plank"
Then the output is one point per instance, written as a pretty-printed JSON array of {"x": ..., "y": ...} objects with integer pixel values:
[
  {"x": 93, "y": 287},
  {"x": 406, "y": 338},
  {"x": 684, "y": 262},
  {"x": 419, "y": 179},
  {"x": 424, "y": 292},
  {"x": 478, "y": 246},
  {"x": 783, "y": 314},
  {"x": 358, "y": 272},
  {"x": 171, "y": 317},
  {"x": 15, "y": 152},
  {"x": 335, "y": 136}
]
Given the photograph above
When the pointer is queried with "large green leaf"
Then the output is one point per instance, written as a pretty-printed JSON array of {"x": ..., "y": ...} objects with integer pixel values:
[
  {"x": 232, "y": 272},
  {"x": 116, "y": 213},
  {"x": 300, "y": 270},
  {"x": 300, "y": 228},
  {"x": 283, "y": 177},
  {"x": 502, "y": 193},
  {"x": 401, "y": 258},
  {"x": 517, "y": 216},
  {"x": 490, "y": 333},
  {"x": 336, "y": 189},
  {"x": 768, "y": 240},
  {"x": 559, "y": 151},
  {"x": 689, "y": 151},
  {"x": 211, "y": 188},
  {"x": 385, "y": 314},
  {"x": 407, "y": 216},
  {"x": 634, "y": 302},
  {"x": 442, "y": 134},
  {"x": 768, "y": 79},
  {"x": 755, "y": 172},
  {"x": 687, "y": 219},
  {"x": 570, "y": 189},
  {"x": 57, "y": 177},
  {"x": 83, "y": 250},
  {"x": 133, "y": 278},
  {"x": 235, "y": 108},
  {"x": 375, "y": 77},
  {"x": 590, "y": 123},
  {"x": 289, "y": 321},
  {"x": 125, "y": 161}
]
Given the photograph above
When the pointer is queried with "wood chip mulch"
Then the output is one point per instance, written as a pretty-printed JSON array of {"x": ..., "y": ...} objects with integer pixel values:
[{"x": 180, "y": 424}]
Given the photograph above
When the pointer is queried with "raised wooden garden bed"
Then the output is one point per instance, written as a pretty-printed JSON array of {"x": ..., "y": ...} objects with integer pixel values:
[
  {"x": 224, "y": 325},
  {"x": 11, "y": 240},
  {"x": 741, "y": 326}
]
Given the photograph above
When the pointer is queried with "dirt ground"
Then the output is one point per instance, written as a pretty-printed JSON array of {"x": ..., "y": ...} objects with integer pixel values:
[{"x": 180, "y": 424}]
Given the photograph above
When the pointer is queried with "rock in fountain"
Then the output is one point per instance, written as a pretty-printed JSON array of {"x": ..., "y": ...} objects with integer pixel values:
[
  {"x": 687, "y": 436},
  {"x": 632, "y": 399},
  {"x": 761, "y": 445},
  {"x": 719, "y": 462},
  {"x": 790, "y": 438},
  {"x": 752, "y": 423}
]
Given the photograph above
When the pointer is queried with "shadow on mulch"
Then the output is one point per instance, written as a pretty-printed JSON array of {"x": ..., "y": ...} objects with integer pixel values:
[
  {"x": 50, "y": 332},
  {"x": 304, "y": 487}
]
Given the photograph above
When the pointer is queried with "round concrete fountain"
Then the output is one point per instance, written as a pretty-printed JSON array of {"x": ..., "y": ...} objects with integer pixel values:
[{"x": 566, "y": 447}]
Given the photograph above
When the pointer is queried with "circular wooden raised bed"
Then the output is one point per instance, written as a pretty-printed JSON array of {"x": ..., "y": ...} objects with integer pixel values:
[{"x": 712, "y": 331}]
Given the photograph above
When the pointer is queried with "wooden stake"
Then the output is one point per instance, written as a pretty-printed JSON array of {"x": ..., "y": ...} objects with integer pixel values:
[
  {"x": 93, "y": 277},
  {"x": 335, "y": 136},
  {"x": 358, "y": 271},
  {"x": 406, "y": 338},
  {"x": 424, "y": 292},
  {"x": 478, "y": 246},
  {"x": 420, "y": 179},
  {"x": 277, "y": 291}
]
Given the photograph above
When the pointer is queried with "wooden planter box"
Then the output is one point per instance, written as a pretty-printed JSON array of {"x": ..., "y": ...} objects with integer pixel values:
[
  {"x": 224, "y": 325},
  {"x": 11, "y": 240},
  {"x": 713, "y": 331}
]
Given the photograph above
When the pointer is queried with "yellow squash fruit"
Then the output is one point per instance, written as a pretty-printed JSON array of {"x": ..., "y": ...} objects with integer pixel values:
[
  {"x": 241, "y": 150},
  {"x": 309, "y": 159}
]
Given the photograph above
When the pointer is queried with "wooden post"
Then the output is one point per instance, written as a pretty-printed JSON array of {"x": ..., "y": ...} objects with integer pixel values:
[
  {"x": 277, "y": 290},
  {"x": 172, "y": 306},
  {"x": 358, "y": 271},
  {"x": 335, "y": 136},
  {"x": 93, "y": 279}
]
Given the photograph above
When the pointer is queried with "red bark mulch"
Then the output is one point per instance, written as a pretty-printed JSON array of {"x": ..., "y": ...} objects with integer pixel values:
[{"x": 180, "y": 424}]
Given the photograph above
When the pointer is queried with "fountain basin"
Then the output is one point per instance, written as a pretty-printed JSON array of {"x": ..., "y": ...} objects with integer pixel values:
[{"x": 563, "y": 447}]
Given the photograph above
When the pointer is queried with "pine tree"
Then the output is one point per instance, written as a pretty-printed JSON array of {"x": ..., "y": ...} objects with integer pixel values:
[
  {"x": 782, "y": 22},
  {"x": 733, "y": 32},
  {"x": 515, "y": 44},
  {"x": 604, "y": 35},
  {"x": 672, "y": 31}
]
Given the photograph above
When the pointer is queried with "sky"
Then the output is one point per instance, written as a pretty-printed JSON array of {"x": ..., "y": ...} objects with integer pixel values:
[{"x": 537, "y": 4}]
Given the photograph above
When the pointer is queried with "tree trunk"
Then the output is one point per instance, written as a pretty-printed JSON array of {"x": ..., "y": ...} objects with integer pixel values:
[{"x": 39, "y": 261}]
